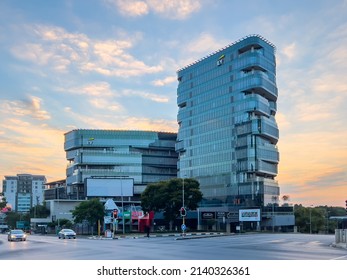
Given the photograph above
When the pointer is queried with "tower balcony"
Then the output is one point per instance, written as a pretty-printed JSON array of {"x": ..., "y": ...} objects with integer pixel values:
[
  {"x": 254, "y": 60},
  {"x": 179, "y": 146},
  {"x": 258, "y": 104},
  {"x": 257, "y": 83}
]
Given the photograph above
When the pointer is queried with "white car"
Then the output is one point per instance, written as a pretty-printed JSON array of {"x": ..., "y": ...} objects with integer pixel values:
[
  {"x": 16, "y": 234},
  {"x": 66, "y": 233}
]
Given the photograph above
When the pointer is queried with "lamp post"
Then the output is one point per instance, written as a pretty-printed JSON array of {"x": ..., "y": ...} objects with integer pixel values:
[
  {"x": 183, "y": 201},
  {"x": 57, "y": 212},
  {"x": 183, "y": 211},
  {"x": 121, "y": 190},
  {"x": 311, "y": 219}
]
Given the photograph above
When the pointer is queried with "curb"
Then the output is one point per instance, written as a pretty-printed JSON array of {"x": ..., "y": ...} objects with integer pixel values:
[
  {"x": 177, "y": 235},
  {"x": 339, "y": 245}
]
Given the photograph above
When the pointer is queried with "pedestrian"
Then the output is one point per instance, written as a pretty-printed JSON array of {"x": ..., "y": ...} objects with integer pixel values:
[{"x": 147, "y": 229}]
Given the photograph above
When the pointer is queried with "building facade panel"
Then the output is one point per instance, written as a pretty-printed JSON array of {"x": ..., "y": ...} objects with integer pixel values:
[
  {"x": 227, "y": 128},
  {"x": 145, "y": 156},
  {"x": 24, "y": 191}
]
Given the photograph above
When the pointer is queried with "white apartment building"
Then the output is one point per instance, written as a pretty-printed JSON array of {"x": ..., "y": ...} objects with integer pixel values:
[{"x": 24, "y": 191}]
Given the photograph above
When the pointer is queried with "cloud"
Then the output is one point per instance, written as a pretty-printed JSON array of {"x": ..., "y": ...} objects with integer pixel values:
[
  {"x": 63, "y": 51},
  {"x": 204, "y": 44},
  {"x": 106, "y": 105},
  {"x": 29, "y": 107},
  {"x": 289, "y": 51},
  {"x": 282, "y": 121},
  {"x": 29, "y": 146},
  {"x": 104, "y": 94},
  {"x": 336, "y": 177},
  {"x": 310, "y": 155},
  {"x": 313, "y": 111},
  {"x": 131, "y": 7},
  {"x": 165, "y": 81},
  {"x": 97, "y": 89},
  {"x": 150, "y": 124},
  {"x": 145, "y": 95},
  {"x": 121, "y": 122},
  {"x": 178, "y": 9}
]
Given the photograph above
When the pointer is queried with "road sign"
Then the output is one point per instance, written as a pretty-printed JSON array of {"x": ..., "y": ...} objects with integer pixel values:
[{"x": 183, "y": 227}]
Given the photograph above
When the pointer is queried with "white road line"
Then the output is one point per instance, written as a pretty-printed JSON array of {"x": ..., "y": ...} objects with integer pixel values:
[{"x": 342, "y": 257}]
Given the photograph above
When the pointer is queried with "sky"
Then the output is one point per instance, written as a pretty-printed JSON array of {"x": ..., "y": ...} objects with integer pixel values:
[{"x": 111, "y": 64}]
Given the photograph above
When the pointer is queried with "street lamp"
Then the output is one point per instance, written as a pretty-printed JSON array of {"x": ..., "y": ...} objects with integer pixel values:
[
  {"x": 121, "y": 190},
  {"x": 183, "y": 192},
  {"x": 311, "y": 219},
  {"x": 183, "y": 210}
]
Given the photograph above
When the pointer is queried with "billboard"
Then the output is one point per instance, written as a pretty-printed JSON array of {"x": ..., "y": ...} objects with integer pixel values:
[
  {"x": 249, "y": 215},
  {"x": 109, "y": 187}
]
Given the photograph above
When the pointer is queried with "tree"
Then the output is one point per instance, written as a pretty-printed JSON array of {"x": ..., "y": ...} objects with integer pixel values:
[
  {"x": 39, "y": 211},
  {"x": 316, "y": 218},
  {"x": 3, "y": 201},
  {"x": 90, "y": 210},
  {"x": 13, "y": 217},
  {"x": 167, "y": 197}
]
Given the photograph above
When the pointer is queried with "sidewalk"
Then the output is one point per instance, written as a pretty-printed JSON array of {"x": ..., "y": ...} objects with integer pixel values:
[
  {"x": 339, "y": 245},
  {"x": 178, "y": 236}
]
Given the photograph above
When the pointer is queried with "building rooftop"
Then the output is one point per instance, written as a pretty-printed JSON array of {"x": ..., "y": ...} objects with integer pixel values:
[{"x": 234, "y": 43}]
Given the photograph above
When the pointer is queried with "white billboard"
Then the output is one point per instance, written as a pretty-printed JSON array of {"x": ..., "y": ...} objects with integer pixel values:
[
  {"x": 109, "y": 187},
  {"x": 249, "y": 215}
]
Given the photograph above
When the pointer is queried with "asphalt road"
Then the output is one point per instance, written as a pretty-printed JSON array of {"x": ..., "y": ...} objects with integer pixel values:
[{"x": 233, "y": 247}]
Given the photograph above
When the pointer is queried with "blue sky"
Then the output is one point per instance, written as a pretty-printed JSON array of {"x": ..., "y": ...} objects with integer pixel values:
[{"x": 111, "y": 64}]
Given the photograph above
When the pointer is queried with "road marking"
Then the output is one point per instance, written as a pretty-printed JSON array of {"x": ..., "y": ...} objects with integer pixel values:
[
  {"x": 277, "y": 241},
  {"x": 342, "y": 257}
]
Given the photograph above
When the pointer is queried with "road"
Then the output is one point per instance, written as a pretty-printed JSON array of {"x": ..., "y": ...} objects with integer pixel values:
[{"x": 233, "y": 247}]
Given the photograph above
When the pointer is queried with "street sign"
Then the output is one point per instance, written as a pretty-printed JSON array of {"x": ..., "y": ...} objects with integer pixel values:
[{"x": 183, "y": 227}]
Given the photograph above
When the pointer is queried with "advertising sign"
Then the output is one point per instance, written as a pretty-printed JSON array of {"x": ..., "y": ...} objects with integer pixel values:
[
  {"x": 220, "y": 215},
  {"x": 249, "y": 215},
  {"x": 109, "y": 187},
  {"x": 208, "y": 215}
]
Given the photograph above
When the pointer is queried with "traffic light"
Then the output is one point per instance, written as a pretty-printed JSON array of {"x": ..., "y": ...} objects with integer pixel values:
[
  {"x": 183, "y": 212},
  {"x": 115, "y": 214},
  {"x": 346, "y": 206}
]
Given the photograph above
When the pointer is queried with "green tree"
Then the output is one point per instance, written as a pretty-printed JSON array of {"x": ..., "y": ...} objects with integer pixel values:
[
  {"x": 167, "y": 197},
  {"x": 316, "y": 218},
  {"x": 3, "y": 201},
  {"x": 13, "y": 217},
  {"x": 39, "y": 211},
  {"x": 89, "y": 210},
  {"x": 64, "y": 223}
]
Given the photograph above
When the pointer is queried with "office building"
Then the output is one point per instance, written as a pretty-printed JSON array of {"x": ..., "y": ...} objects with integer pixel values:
[
  {"x": 128, "y": 157},
  {"x": 227, "y": 128},
  {"x": 24, "y": 191}
]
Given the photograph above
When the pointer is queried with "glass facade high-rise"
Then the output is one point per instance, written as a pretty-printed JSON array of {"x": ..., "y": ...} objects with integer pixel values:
[
  {"x": 145, "y": 156},
  {"x": 227, "y": 129}
]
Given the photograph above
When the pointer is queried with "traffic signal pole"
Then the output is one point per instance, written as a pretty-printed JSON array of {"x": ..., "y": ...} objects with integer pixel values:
[{"x": 183, "y": 211}]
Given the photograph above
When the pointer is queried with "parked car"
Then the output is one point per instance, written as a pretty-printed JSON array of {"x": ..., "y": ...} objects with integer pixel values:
[
  {"x": 66, "y": 233},
  {"x": 16, "y": 234}
]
